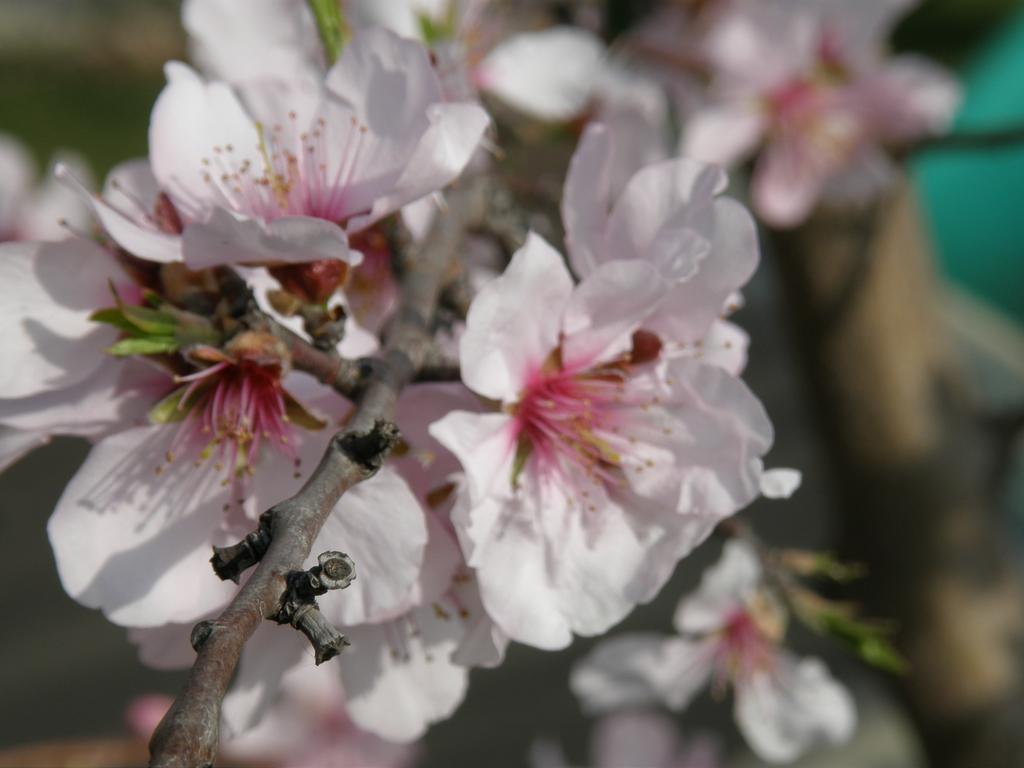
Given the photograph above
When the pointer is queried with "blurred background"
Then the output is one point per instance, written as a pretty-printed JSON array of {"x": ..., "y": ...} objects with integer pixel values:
[{"x": 83, "y": 75}]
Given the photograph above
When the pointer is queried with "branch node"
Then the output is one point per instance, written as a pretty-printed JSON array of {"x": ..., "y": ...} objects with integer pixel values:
[
  {"x": 334, "y": 570},
  {"x": 201, "y": 633},
  {"x": 230, "y": 562},
  {"x": 368, "y": 449}
]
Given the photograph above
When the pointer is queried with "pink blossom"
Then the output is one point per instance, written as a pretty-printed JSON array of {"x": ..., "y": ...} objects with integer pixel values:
[
  {"x": 731, "y": 629},
  {"x": 809, "y": 82},
  {"x": 601, "y": 465},
  {"x": 275, "y": 171}
]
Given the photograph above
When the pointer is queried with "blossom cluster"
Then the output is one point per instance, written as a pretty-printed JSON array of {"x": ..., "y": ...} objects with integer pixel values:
[{"x": 599, "y": 429}]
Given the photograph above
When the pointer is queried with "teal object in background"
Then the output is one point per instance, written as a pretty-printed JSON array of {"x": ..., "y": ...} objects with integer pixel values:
[{"x": 975, "y": 199}]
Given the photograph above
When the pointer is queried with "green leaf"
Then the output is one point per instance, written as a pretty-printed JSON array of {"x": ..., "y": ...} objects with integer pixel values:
[
  {"x": 330, "y": 25},
  {"x": 167, "y": 410},
  {"x": 143, "y": 346}
]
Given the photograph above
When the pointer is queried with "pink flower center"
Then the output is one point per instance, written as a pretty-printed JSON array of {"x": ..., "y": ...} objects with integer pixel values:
[
  {"x": 233, "y": 408},
  {"x": 569, "y": 422},
  {"x": 301, "y": 173},
  {"x": 742, "y": 650}
]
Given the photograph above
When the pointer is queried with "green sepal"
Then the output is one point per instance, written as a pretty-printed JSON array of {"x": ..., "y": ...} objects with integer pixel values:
[
  {"x": 115, "y": 318},
  {"x": 434, "y": 32},
  {"x": 151, "y": 322},
  {"x": 169, "y": 410},
  {"x": 299, "y": 416},
  {"x": 331, "y": 26},
  {"x": 143, "y": 346},
  {"x": 523, "y": 451}
]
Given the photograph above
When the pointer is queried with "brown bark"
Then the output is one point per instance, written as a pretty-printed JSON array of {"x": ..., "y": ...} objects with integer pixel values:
[{"x": 908, "y": 461}]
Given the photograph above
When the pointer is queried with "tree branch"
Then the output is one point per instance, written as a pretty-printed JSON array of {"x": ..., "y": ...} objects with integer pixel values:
[{"x": 188, "y": 735}]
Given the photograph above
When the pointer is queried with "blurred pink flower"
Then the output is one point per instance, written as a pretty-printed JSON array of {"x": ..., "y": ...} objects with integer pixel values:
[
  {"x": 806, "y": 84},
  {"x": 730, "y": 631}
]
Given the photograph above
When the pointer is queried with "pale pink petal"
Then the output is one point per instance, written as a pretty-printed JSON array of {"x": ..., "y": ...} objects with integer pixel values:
[
  {"x": 381, "y": 526},
  {"x": 194, "y": 121},
  {"x": 606, "y": 308},
  {"x": 167, "y": 646},
  {"x": 47, "y": 292},
  {"x": 269, "y": 654},
  {"x": 788, "y": 180},
  {"x": 911, "y": 97},
  {"x": 780, "y": 483},
  {"x": 412, "y": 144},
  {"x": 793, "y": 707},
  {"x": 635, "y": 738},
  {"x": 444, "y": 149},
  {"x": 427, "y": 464},
  {"x": 723, "y": 433},
  {"x": 694, "y": 304},
  {"x": 550, "y": 75},
  {"x": 399, "y": 677},
  {"x": 125, "y": 210},
  {"x": 635, "y": 669},
  {"x": 666, "y": 216},
  {"x": 587, "y": 199},
  {"x": 136, "y": 543},
  {"x": 271, "y": 38},
  {"x": 724, "y": 589},
  {"x": 723, "y": 133},
  {"x": 484, "y": 445},
  {"x": 16, "y": 443},
  {"x": 515, "y": 321},
  {"x": 483, "y": 644},
  {"x": 53, "y": 209},
  {"x": 117, "y": 396},
  {"x": 229, "y": 238}
]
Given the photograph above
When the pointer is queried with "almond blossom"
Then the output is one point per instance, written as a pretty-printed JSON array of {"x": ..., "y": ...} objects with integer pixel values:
[
  {"x": 730, "y": 634},
  {"x": 808, "y": 81},
  {"x": 598, "y": 468},
  {"x": 278, "y": 172}
]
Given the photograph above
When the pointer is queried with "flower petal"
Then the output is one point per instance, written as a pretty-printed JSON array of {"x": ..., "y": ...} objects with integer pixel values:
[
  {"x": 634, "y": 669},
  {"x": 515, "y": 321},
  {"x": 586, "y": 199},
  {"x": 792, "y": 708},
  {"x": 125, "y": 210},
  {"x": 665, "y": 215},
  {"x": 780, "y": 483},
  {"x": 549, "y": 75},
  {"x": 399, "y": 677},
  {"x": 136, "y": 543},
  {"x": 16, "y": 443},
  {"x": 194, "y": 126},
  {"x": 47, "y": 292},
  {"x": 227, "y": 238}
]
